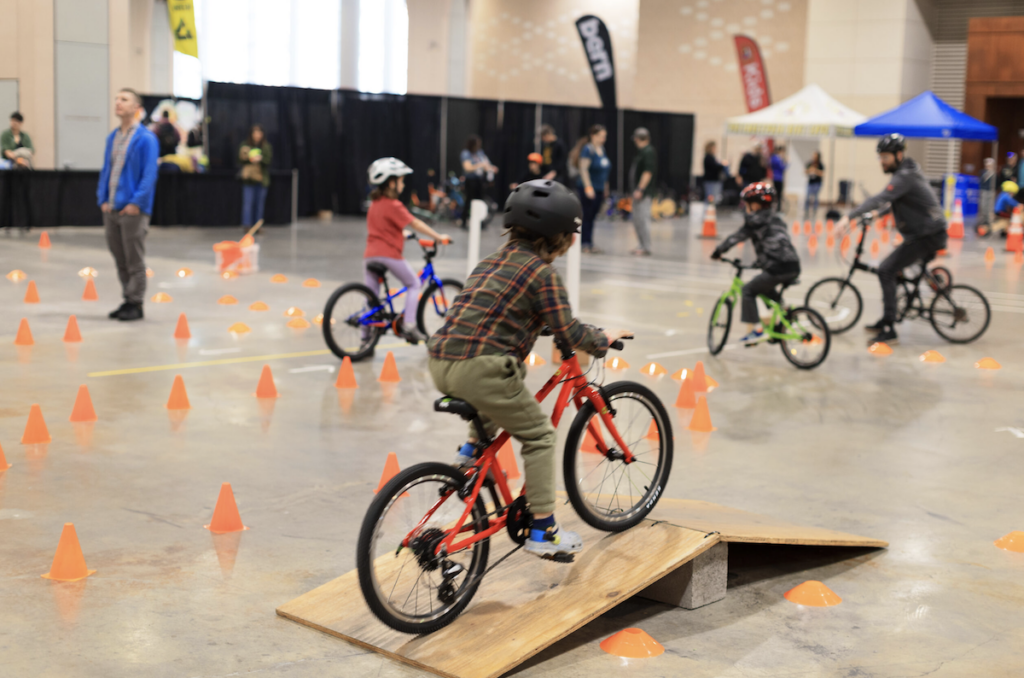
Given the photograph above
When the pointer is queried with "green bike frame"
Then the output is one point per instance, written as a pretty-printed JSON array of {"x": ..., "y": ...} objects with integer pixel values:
[{"x": 778, "y": 315}]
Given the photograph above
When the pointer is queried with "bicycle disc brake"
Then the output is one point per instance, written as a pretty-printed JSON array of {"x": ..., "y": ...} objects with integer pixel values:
[{"x": 518, "y": 521}]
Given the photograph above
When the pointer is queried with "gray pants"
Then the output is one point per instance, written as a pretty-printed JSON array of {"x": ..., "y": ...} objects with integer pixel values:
[
  {"x": 764, "y": 283},
  {"x": 401, "y": 269},
  {"x": 126, "y": 238},
  {"x": 642, "y": 222}
]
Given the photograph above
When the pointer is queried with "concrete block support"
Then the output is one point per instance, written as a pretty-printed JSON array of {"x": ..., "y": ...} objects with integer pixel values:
[{"x": 697, "y": 583}]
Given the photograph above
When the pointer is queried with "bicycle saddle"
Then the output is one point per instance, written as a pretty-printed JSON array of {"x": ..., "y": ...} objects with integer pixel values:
[
  {"x": 377, "y": 268},
  {"x": 455, "y": 406}
]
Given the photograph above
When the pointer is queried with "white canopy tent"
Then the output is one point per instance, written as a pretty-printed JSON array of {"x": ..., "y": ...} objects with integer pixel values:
[{"x": 809, "y": 114}]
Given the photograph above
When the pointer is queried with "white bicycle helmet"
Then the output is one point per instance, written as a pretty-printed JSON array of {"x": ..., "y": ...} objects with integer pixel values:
[{"x": 383, "y": 168}]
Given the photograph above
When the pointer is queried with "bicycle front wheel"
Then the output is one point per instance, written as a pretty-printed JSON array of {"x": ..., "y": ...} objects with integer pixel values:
[
  {"x": 718, "y": 325},
  {"x": 837, "y": 301},
  {"x": 411, "y": 588},
  {"x": 434, "y": 305},
  {"x": 960, "y": 313},
  {"x": 606, "y": 492},
  {"x": 346, "y": 316},
  {"x": 807, "y": 341}
]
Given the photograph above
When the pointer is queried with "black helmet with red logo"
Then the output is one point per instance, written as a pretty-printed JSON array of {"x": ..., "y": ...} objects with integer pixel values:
[{"x": 760, "y": 192}]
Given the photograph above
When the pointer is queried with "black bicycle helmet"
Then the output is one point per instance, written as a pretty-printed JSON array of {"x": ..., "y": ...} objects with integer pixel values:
[
  {"x": 544, "y": 207},
  {"x": 760, "y": 192},
  {"x": 891, "y": 143}
]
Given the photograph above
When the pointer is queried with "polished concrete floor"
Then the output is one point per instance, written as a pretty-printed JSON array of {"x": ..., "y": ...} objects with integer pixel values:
[{"x": 927, "y": 456}]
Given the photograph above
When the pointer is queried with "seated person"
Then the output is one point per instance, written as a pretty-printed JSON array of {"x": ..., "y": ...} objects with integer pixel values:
[{"x": 1005, "y": 204}]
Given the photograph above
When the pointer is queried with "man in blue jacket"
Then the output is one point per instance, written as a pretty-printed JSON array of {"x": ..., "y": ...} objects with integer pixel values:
[{"x": 125, "y": 196}]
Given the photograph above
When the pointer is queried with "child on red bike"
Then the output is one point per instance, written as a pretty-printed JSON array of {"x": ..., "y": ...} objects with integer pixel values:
[
  {"x": 385, "y": 220},
  {"x": 490, "y": 329}
]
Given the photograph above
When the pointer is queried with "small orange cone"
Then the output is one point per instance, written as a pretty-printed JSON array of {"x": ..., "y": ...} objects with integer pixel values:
[
  {"x": 35, "y": 428},
  {"x": 179, "y": 398},
  {"x": 807, "y": 227},
  {"x": 652, "y": 431},
  {"x": 875, "y": 248},
  {"x": 990, "y": 255},
  {"x": 679, "y": 375},
  {"x": 880, "y": 348},
  {"x": 346, "y": 375},
  {"x": 632, "y": 644},
  {"x": 987, "y": 364},
  {"x": 83, "y": 410},
  {"x": 653, "y": 370},
  {"x": 229, "y": 275},
  {"x": 812, "y": 243},
  {"x": 701, "y": 421},
  {"x": 389, "y": 373},
  {"x": 1013, "y": 541},
  {"x": 932, "y": 357},
  {"x": 161, "y": 298},
  {"x": 24, "y": 337},
  {"x": 616, "y": 364},
  {"x": 319, "y": 320},
  {"x": 590, "y": 442},
  {"x": 279, "y": 278},
  {"x": 1018, "y": 256},
  {"x": 700, "y": 382},
  {"x": 390, "y": 471},
  {"x": 796, "y": 228},
  {"x": 830, "y": 241},
  {"x": 3, "y": 461},
  {"x": 311, "y": 282},
  {"x": 266, "y": 388},
  {"x": 71, "y": 333},
  {"x": 844, "y": 244},
  {"x": 227, "y": 300},
  {"x": 534, "y": 360},
  {"x": 239, "y": 328},
  {"x": 686, "y": 398},
  {"x": 294, "y": 312},
  {"x": 298, "y": 323},
  {"x": 812, "y": 594},
  {"x": 90, "y": 291},
  {"x": 225, "y": 513},
  {"x": 44, "y": 240},
  {"x": 68, "y": 562},
  {"x": 712, "y": 384},
  {"x": 829, "y": 226},
  {"x": 184, "y": 273},
  {"x": 31, "y": 294},
  {"x": 507, "y": 460},
  {"x": 182, "y": 331},
  {"x": 17, "y": 275},
  {"x": 258, "y": 306},
  {"x": 819, "y": 228}
]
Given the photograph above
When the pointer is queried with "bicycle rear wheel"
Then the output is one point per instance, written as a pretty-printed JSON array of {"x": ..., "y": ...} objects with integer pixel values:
[
  {"x": 806, "y": 345},
  {"x": 344, "y": 332},
  {"x": 409, "y": 588},
  {"x": 837, "y": 301},
  {"x": 718, "y": 325},
  {"x": 434, "y": 305},
  {"x": 606, "y": 492},
  {"x": 959, "y": 313}
]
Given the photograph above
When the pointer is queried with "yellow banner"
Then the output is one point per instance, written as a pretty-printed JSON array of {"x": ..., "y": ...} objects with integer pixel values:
[{"x": 183, "y": 26}]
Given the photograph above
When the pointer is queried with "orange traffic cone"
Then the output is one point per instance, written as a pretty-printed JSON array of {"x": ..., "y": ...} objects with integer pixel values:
[
  {"x": 225, "y": 513},
  {"x": 266, "y": 388},
  {"x": 990, "y": 255},
  {"x": 389, "y": 373},
  {"x": 700, "y": 382},
  {"x": 83, "y": 410},
  {"x": 710, "y": 229},
  {"x": 3, "y": 461},
  {"x": 68, "y": 562},
  {"x": 796, "y": 228},
  {"x": 956, "y": 222},
  {"x": 1014, "y": 235},
  {"x": 812, "y": 594},
  {"x": 182, "y": 331},
  {"x": 632, "y": 644},
  {"x": 346, "y": 375},
  {"x": 885, "y": 237},
  {"x": 507, "y": 460},
  {"x": 701, "y": 421},
  {"x": 534, "y": 360},
  {"x": 807, "y": 227},
  {"x": 71, "y": 333},
  {"x": 90, "y": 291},
  {"x": 875, "y": 248},
  {"x": 591, "y": 442},
  {"x": 829, "y": 226},
  {"x": 830, "y": 241},
  {"x": 819, "y": 228},
  {"x": 812, "y": 244},
  {"x": 179, "y": 398},
  {"x": 844, "y": 244},
  {"x": 24, "y": 337},
  {"x": 35, "y": 428},
  {"x": 686, "y": 398},
  {"x": 680, "y": 374},
  {"x": 31, "y": 294},
  {"x": 390, "y": 471},
  {"x": 44, "y": 240},
  {"x": 652, "y": 431}
]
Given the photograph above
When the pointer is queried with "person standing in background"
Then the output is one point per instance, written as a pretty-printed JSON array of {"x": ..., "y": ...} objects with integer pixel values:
[
  {"x": 167, "y": 135},
  {"x": 125, "y": 196},
  {"x": 255, "y": 154},
  {"x": 815, "y": 171},
  {"x": 592, "y": 184},
  {"x": 552, "y": 151},
  {"x": 713, "y": 173},
  {"x": 986, "y": 196},
  {"x": 752, "y": 169},
  {"x": 642, "y": 177},
  {"x": 1009, "y": 170},
  {"x": 477, "y": 166},
  {"x": 779, "y": 166}
]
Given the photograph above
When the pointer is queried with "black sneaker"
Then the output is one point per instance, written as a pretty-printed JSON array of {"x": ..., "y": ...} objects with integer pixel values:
[
  {"x": 888, "y": 335},
  {"x": 116, "y": 313},
  {"x": 131, "y": 312},
  {"x": 877, "y": 327},
  {"x": 413, "y": 336}
]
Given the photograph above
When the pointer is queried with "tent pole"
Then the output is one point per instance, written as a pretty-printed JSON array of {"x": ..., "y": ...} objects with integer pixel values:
[
  {"x": 851, "y": 149},
  {"x": 832, "y": 167},
  {"x": 949, "y": 159}
]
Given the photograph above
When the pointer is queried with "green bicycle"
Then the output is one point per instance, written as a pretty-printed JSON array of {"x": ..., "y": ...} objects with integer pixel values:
[{"x": 801, "y": 332}]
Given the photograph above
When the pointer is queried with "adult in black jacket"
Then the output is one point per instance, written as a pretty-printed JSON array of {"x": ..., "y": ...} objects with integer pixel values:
[
  {"x": 713, "y": 171},
  {"x": 919, "y": 220},
  {"x": 752, "y": 168},
  {"x": 553, "y": 153},
  {"x": 776, "y": 256}
]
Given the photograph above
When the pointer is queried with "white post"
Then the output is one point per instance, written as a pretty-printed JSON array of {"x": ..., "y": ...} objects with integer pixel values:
[
  {"x": 477, "y": 212},
  {"x": 295, "y": 199},
  {"x": 573, "y": 263}
]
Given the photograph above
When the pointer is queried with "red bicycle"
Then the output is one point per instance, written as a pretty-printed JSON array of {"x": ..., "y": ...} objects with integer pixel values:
[{"x": 423, "y": 546}]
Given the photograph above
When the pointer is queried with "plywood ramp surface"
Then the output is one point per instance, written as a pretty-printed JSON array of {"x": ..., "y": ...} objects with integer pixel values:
[
  {"x": 523, "y": 606},
  {"x": 734, "y": 525}
]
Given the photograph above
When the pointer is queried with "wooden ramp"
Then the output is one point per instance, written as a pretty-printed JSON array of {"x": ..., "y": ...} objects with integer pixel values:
[{"x": 527, "y": 604}]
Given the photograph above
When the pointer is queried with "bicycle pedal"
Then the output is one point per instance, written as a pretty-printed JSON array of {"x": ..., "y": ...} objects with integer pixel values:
[{"x": 560, "y": 557}]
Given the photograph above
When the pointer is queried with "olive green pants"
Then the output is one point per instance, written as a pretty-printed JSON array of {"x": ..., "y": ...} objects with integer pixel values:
[{"x": 494, "y": 386}]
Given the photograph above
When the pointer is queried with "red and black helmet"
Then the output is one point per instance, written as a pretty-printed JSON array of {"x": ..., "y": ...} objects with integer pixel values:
[{"x": 760, "y": 192}]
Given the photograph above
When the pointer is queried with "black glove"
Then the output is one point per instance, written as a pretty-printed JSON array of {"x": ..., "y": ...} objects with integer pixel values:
[{"x": 716, "y": 255}]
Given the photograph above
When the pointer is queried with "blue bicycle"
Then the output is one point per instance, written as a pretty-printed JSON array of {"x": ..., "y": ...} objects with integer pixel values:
[{"x": 355, "y": 317}]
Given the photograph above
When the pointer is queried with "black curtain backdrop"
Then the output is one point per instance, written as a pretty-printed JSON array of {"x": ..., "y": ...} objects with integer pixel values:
[
  {"x": 572, "y": 122},
  {"x": 672, "y": 138}
]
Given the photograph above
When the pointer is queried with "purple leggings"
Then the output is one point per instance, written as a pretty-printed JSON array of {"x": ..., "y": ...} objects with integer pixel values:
[{"x": 403, "y": 271}]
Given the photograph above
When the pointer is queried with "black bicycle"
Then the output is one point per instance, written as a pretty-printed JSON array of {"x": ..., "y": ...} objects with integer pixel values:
[{"x": 959, "y": 313}]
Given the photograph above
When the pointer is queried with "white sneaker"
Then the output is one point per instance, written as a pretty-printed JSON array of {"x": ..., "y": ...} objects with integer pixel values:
[{"x": 554, "y": 544}]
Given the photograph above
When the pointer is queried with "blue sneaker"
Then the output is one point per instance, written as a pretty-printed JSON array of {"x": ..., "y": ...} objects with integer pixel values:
[
  {"x": 465, "y": 456},
  {"x": 752, "y": 337}
]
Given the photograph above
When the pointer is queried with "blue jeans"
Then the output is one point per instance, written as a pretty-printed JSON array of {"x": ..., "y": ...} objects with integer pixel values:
[
  {"x": 812, "y": 197},
  {"x": 253, "y": 197},
  {"x": 713, "y": 188},
  {"x": 591, "y": 207}
]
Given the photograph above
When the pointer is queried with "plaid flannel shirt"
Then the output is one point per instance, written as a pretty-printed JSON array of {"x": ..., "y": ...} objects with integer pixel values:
[{"x": 509, "y": 297}]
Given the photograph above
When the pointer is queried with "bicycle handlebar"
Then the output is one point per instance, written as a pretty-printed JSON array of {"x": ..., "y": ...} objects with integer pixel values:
[{"x": 616, "y": 345}]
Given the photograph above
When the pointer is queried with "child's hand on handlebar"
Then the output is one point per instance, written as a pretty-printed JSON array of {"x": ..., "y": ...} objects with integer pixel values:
[{"x": 615, "y": 335}]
